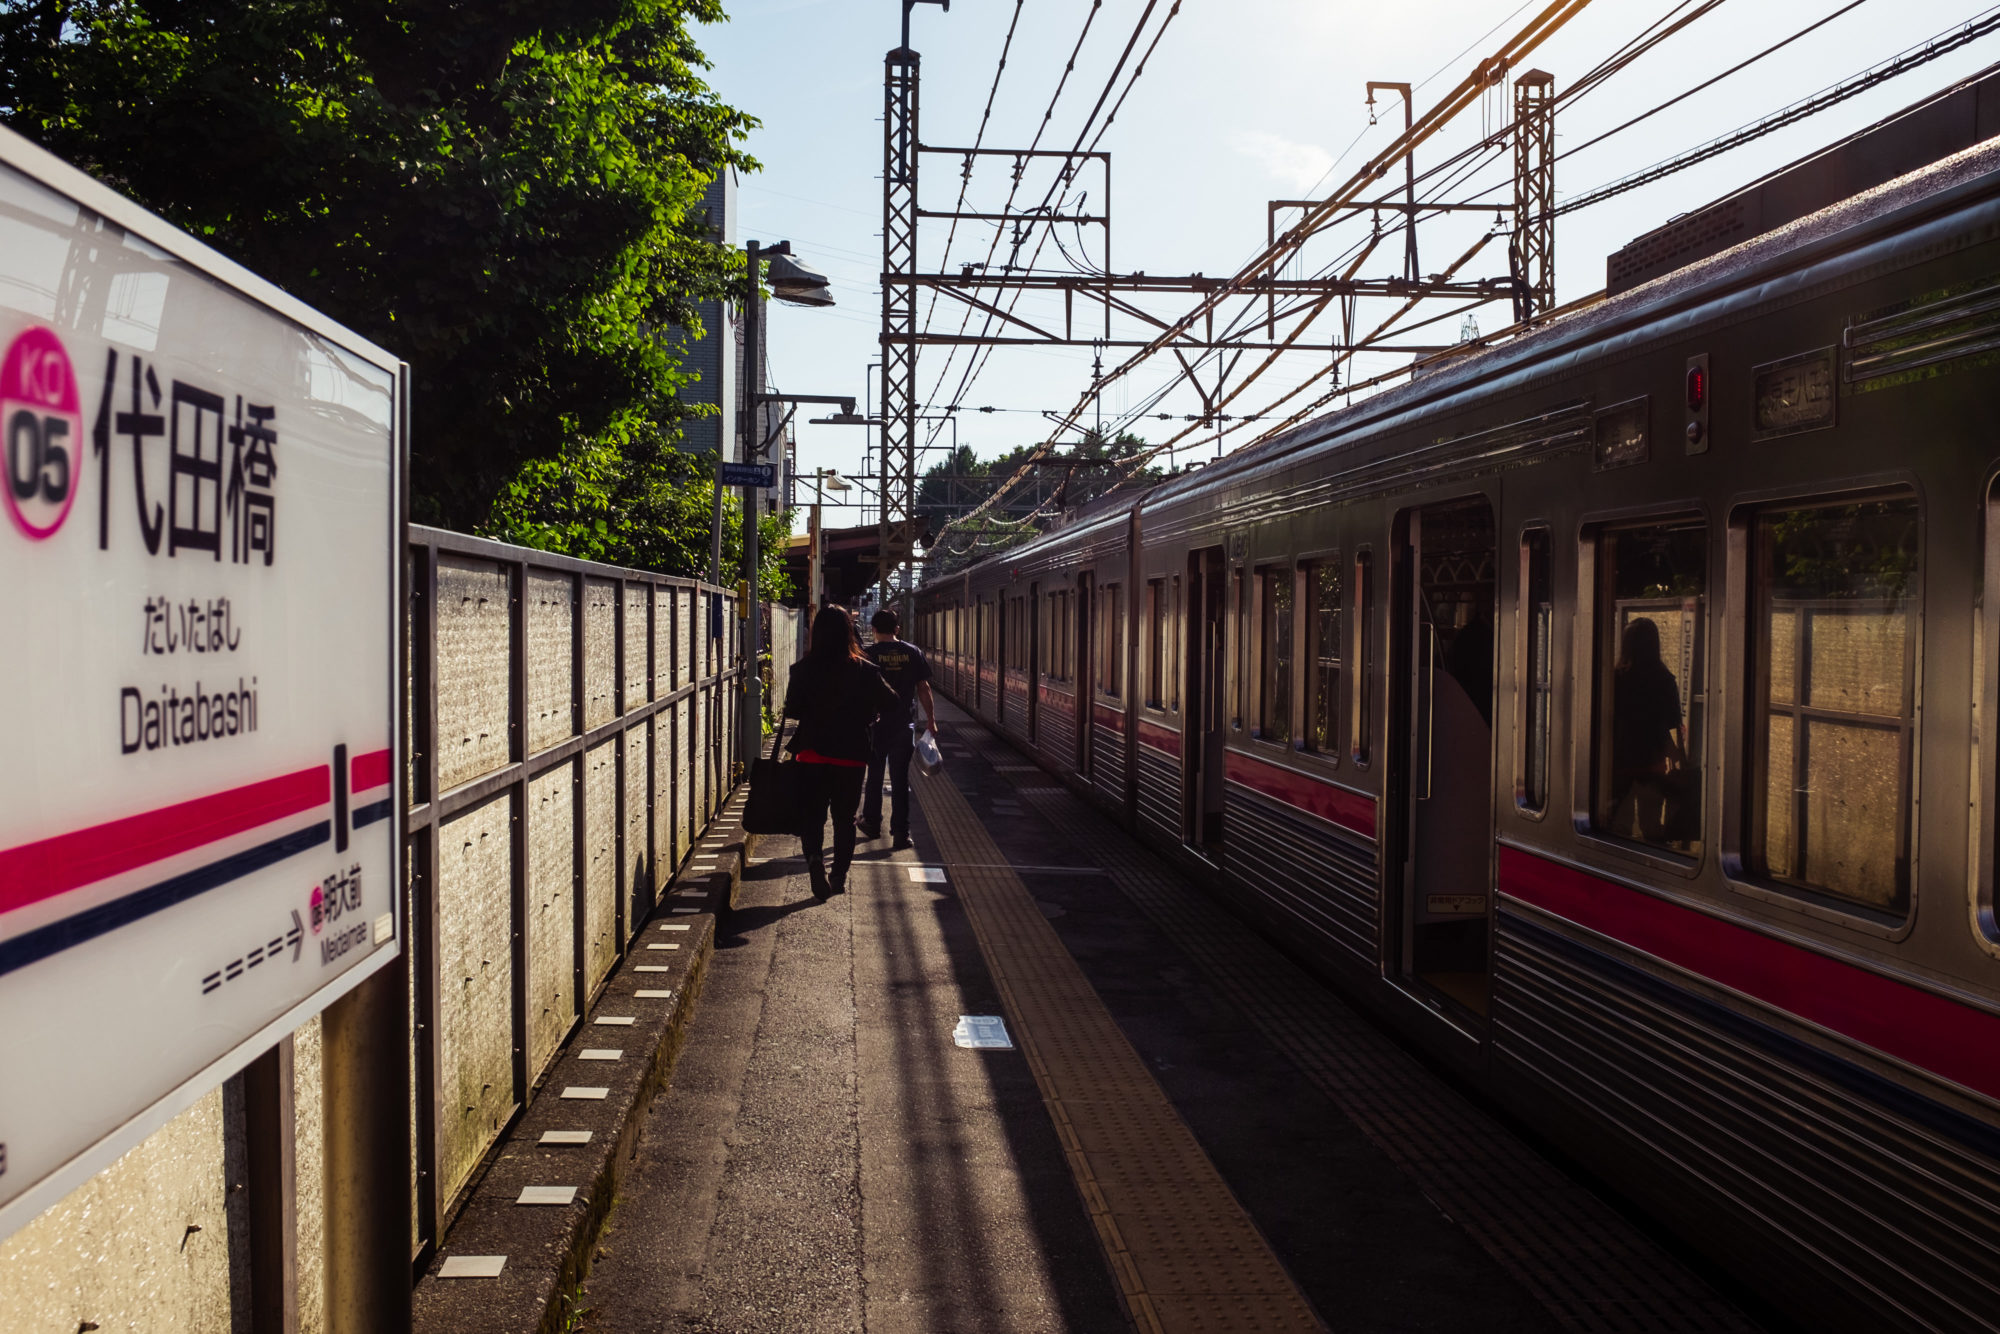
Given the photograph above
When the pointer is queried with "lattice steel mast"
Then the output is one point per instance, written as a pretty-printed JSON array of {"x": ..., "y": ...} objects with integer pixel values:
[
  {"x": 1533, "y": 249},
  {"x": 896, "y": 535}
]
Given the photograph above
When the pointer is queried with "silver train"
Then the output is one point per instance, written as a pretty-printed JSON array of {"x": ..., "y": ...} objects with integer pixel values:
[{"x": 1605, "y": 712}]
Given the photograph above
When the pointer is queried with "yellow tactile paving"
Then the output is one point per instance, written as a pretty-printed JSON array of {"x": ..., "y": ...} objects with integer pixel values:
[{"x": 1184, "y": 1254}]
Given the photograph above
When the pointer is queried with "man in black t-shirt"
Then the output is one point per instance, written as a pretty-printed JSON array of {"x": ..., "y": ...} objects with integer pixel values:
[{"x": 909, "y": 675}]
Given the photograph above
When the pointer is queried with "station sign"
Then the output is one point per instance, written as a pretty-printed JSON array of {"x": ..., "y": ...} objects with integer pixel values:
[{"x": 198, "y": 583}]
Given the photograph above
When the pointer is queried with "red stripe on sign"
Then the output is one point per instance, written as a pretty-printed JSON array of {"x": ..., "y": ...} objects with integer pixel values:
[
  {"x": 1950, "y": 1040},
  {"x": 370, "y": 770},
  {"x": 1159, "y": 738},
  {"x": 37, "y": 871},
  {"x": 1350, "y": 810}
]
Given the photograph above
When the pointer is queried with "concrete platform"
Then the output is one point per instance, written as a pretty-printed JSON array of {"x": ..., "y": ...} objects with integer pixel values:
[{"x": 1189, "y": 1134}]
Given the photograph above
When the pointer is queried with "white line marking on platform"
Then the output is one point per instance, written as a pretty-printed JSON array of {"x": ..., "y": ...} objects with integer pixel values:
[
  {"x": 985, "y": 1031},
  {"x": 566, "y": 1136},
  {"x": 602, "y": 1054},
  {"x": 659, "y": 945},
  {"x": 927, "y": 875},
  {"x": 654, "y": 995},
  {"x": 614, "y": 1020},
  {"x": 675, "y": 926},
  {"x": 472, "y": 1266},
  {"x": 547, "y": 1195},
  {"x": 586, "y": 1094},
  {"x": 652, "y": 968}
]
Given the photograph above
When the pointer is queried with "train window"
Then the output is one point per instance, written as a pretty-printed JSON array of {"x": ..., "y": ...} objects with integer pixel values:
[
  {"x": 1044, "y": 641},
  {"x": 1833, "y": 641},
  {"x": 1242, "y": 654},
  {"x": 1156, "y": 642},
  {"x": 1652, "y": 587},
  {"x": 1323, "y": 639},
  {"x": 1538, "y": 614},
  {"x": 1059, "y": 617},
  {"x": 1274, "y": 653},
  {"x": 1361, "y": 714},
  {"x": 1110, "y": 642}
]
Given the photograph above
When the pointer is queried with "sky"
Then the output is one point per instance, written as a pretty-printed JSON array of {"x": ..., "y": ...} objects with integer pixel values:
[{"x": 1241, "y": 102}]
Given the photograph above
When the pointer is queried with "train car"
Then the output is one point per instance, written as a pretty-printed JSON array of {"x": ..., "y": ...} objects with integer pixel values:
[{"x": 1604, "y": 711}]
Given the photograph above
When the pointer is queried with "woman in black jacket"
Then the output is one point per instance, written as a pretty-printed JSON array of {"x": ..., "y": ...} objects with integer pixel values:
[{"x": 836, "y": 693}]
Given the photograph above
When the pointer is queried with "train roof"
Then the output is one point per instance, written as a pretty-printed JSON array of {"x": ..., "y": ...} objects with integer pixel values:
[{"x": 1885, "y": 210}]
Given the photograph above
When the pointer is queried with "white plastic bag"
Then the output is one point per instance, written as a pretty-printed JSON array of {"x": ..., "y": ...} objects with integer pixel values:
[{"x": 928, "y": 754}]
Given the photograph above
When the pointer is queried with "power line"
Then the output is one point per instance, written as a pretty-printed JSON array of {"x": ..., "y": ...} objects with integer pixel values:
[
  {"x": 1710, "y": 83},
  {"x": 977, "y": 362},
  {"x": 965, "y": 180},
  {"x": 1465, "y": 162},
  {"x": 1922, "y": 54},
  {"x": 966, "y": 320}
]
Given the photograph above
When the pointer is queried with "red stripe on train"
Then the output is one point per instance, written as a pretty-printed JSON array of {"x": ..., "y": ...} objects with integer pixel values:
[
  {"x": 1110, "y": 718},
  {"x": 1159, "y": 738},
  {"x": 1951, "y": 1040},
  {"x": 1350, "y": 810}
]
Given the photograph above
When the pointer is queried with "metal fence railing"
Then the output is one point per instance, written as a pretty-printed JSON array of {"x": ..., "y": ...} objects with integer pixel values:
[{"x": 569, "y": 738}]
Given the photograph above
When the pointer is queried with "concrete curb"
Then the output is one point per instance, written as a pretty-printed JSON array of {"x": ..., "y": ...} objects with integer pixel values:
[{"x": 548, "y": 1247}]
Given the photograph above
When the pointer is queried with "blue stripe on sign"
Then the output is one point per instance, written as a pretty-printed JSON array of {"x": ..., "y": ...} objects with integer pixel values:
[
  {"x": 108, "y": 917},
  {"x": 369, "y": 814}
]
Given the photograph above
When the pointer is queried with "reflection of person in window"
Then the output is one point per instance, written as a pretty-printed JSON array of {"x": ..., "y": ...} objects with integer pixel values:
[{"x": 1646, "y": 739}]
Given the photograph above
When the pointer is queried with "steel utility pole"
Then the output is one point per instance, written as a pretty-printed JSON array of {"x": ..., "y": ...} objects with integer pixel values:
[
  {"x": 1533, "y": 252},
  {"x": 753, "y": 431},
  {"x": 896, "y": 529}
]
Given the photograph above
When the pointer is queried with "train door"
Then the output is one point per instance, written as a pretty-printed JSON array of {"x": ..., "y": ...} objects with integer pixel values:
[
  {"x": 1082, "y": 689},
  {"x": 1438, "y": 923},
  {"x": 1203, "y": 719},
  {"x": 1035, "y": 642},
  {"x": 1003, "y": 644}
]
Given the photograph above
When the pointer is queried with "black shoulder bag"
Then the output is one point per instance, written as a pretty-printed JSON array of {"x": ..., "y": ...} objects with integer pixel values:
[{"x": 775, "y": 792}]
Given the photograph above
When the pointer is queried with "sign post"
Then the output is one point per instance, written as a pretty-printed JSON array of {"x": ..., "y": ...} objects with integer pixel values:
[{"x": 199, "y": 570}]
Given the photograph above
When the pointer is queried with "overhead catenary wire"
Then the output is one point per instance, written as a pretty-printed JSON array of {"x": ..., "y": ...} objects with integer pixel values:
[
  {"x": 992, "y": 249},
  {"x": 979, "y": 357},
  {"x": 1545, "y": 23},
  {"x": 1951, "y": 40},
  {"x": 1921, "y": 54},
  {"x": 978, "y": 139},
  {"x": 1675, "y": 20},
  {"x": 1706, "y": 84}
]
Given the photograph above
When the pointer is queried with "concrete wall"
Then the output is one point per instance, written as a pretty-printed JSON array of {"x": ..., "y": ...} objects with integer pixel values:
[
  {"x": 144, "y": 1247},
  {"x": 147, "y": 1246}
]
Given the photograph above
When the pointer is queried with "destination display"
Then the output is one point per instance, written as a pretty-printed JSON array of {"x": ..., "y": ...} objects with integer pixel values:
[{"x": 198, "y": 572}]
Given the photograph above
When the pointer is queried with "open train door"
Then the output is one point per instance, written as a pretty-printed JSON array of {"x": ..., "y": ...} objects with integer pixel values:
[
  {"x": 1202, "y": 797},
  {"x": 1438, "y": 918}
]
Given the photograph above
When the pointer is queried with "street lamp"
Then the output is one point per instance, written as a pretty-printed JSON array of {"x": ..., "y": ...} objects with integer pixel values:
[
  {"x": 799, "y": 285},
  {"x": 824, "y": 479}
]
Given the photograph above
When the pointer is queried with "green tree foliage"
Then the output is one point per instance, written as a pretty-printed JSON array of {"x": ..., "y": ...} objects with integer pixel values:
[
  {"x": 635, "y": 501},
  {"x": 506, "y": 194},
  {"x": 1083, "y": 472}
]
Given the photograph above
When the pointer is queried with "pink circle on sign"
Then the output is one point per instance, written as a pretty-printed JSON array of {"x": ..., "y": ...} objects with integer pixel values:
[{"x": 41, "y": 432}]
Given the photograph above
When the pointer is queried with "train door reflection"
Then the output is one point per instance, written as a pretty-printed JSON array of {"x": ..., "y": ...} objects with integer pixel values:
[{"x": 1438, "y": 918}]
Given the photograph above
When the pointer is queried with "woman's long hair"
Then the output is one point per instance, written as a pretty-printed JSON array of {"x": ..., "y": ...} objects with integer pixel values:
[
  {"x": 833, "y": 635},
  {"x": 1641, "y": 645}
]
